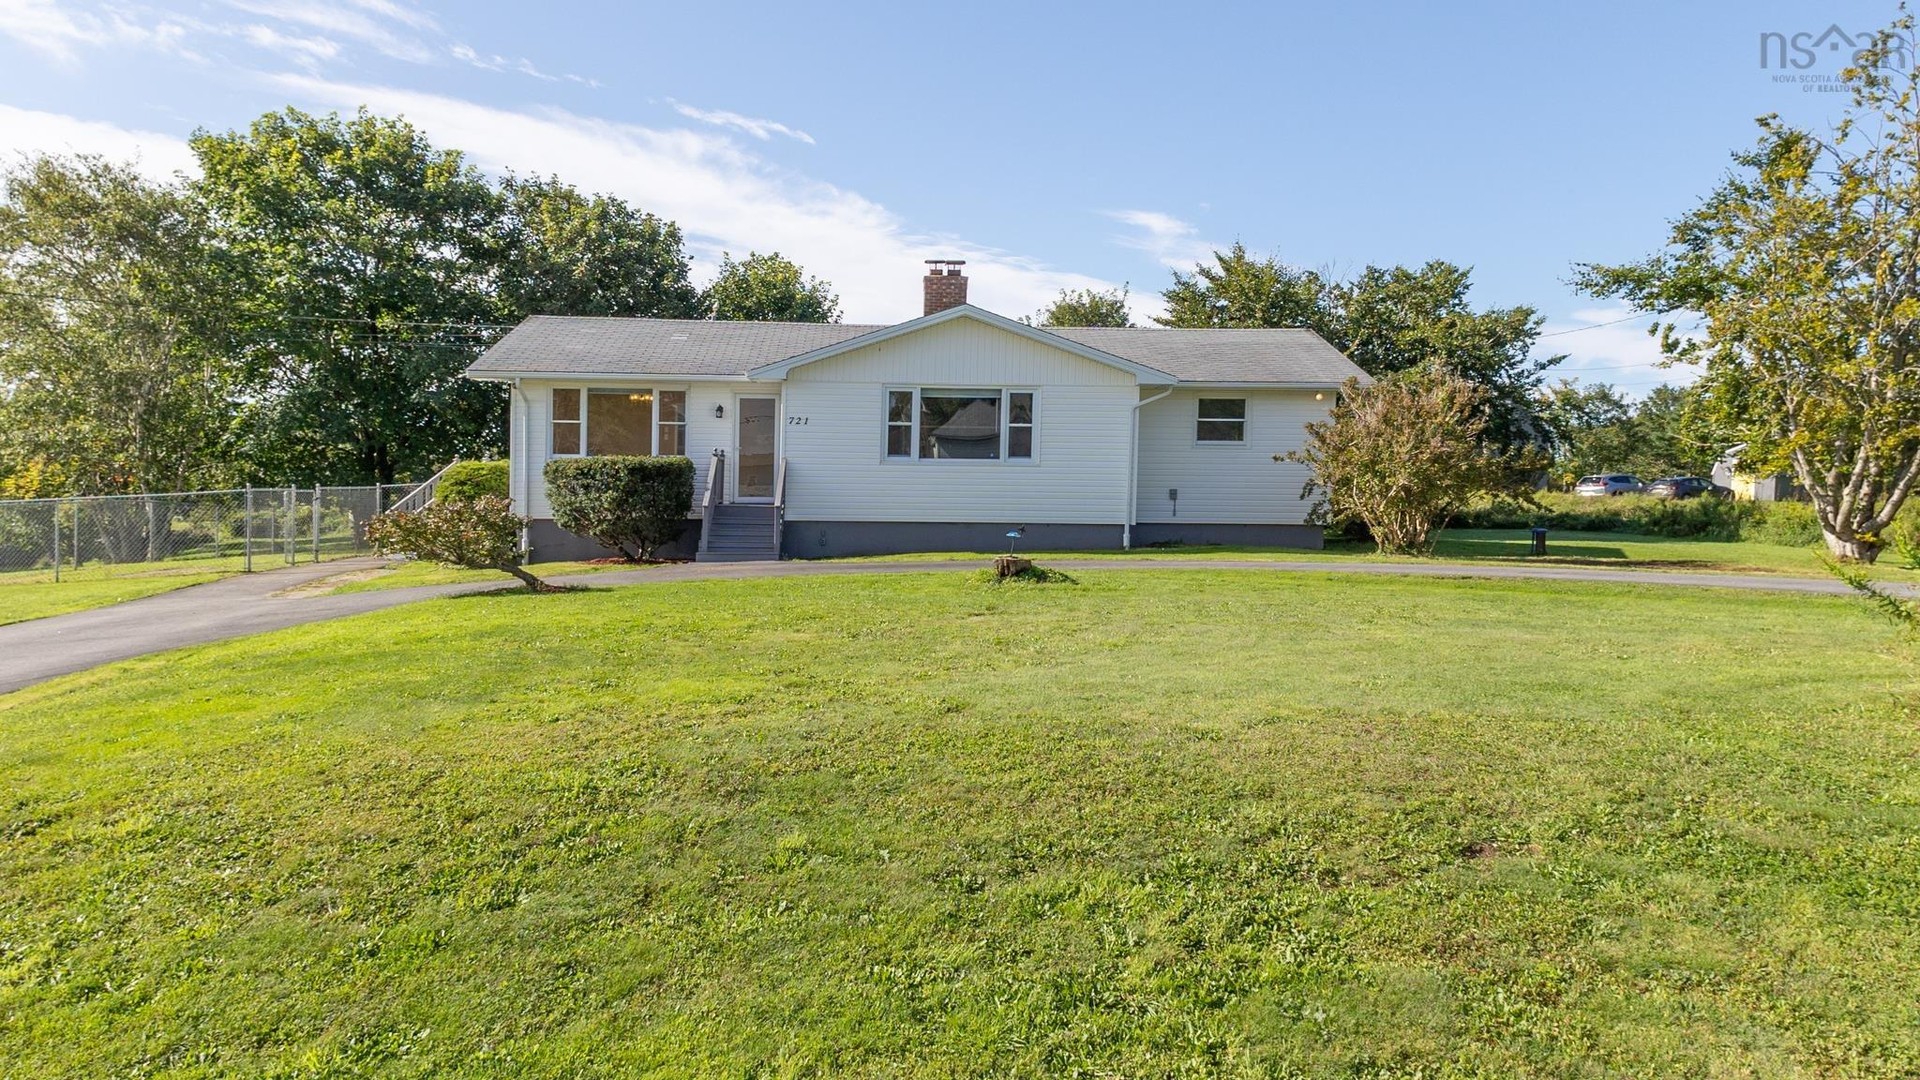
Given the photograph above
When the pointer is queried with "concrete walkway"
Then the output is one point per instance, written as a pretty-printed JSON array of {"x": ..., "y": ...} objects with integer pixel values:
[{"x": 41, "y": 649}]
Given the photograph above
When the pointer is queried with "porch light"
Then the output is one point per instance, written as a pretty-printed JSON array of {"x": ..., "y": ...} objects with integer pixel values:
[
  {"x": 719, "y": 412},
  {"x": 1318, "y": 396}
]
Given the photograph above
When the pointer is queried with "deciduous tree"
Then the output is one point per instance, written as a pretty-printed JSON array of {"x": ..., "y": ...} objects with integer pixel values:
[
  {"x": 769, "y": 288},
  {"x": 1804, "y": 271},
  {"x": 369, "y": 259},
  {"x": 114, "y": 368},
  {"x": 565, "y": 253},
  {"x": 1387, "y": 320},
  {"x": 1087, "y": 307}
]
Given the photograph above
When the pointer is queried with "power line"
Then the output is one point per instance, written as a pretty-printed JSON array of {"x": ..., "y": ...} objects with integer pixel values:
[
  {"x": 350, "y": 319},
  {"x": 1598, "y": 325}
]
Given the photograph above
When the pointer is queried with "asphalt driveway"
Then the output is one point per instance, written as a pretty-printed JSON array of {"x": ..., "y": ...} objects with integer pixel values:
[{"x": 41, "y": 649}]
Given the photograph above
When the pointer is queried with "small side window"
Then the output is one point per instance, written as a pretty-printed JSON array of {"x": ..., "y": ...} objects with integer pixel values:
[
  {"x": 566, "y": 422},
  {"x": 1222, "y": 420},
  {"x": 1019, "y": 425}
]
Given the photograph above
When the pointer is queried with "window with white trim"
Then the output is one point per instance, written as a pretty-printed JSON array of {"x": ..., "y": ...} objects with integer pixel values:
[
  {"x": 1221, "y": 420},
  {"x": 566, "y": 423},
  {"x": 673, "y": 423},
  {"x": 600, "y": 420},
  {"x": 960, "y": 424}
]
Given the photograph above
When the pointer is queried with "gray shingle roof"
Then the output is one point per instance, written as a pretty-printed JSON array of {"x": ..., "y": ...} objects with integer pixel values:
[
  {"x": 549, "y": 344},
  {"x": 575, "y": 345},
  {"x": 1292, "y": 357}
]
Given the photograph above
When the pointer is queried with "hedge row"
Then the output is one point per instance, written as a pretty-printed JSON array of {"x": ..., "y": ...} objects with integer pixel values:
[{"x": 1786, "y": 523}]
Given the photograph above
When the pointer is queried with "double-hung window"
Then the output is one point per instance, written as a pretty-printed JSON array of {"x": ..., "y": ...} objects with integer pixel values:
[
  {"x": 597, "y": 420},
  {"x": 673, "y": 423},
  {"x": 1221, "y": 420},
  {"x": 566, "y": 422},
  {"x": 963, "y": 424}
]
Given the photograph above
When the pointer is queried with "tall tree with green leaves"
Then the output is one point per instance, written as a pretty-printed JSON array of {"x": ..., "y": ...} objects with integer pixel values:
[
  {"x": 769, "y": 288},
  {"x": 1387, "y": 320},
  {"x": 1087, "y": 307},
  {"x": 565, "y": 253},
  {"x": 114, "y": 366},
  {"x": 1804, "y": 270},
  {"x": 370, "y": 260},
  {"x": 1239, "y": 290}
]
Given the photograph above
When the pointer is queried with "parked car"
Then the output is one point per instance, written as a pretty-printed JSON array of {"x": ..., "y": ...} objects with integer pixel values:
[
  {"x": 1609, "y": 484},
  {"x": 1683, "y": 487}
]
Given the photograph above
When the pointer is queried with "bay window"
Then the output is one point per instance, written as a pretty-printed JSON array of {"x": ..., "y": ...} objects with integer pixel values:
[{"x": 940, "y": 424}]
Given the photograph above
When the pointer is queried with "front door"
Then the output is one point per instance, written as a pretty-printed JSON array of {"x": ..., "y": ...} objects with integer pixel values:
[{"x": 755, "y": 434}]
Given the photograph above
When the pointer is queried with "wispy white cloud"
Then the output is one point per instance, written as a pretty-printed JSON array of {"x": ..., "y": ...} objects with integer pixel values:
[
  {"x": 723, "y": 196},
  {"x": 59, "y": 31},
  {"x": 751, "y": 125},
  {"x": 1171, "y": 241},
  {"x": 386, "y": 27},
  {"x": 495, "y": 62},
  {"x": 25, "y": 132},
  {"x": 303, "y": 50}
]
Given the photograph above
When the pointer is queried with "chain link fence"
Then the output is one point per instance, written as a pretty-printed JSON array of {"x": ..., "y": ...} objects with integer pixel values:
[{"x": 240, "y": 529}]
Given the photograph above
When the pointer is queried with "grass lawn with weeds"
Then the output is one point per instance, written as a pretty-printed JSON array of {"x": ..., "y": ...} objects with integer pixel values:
[
  {"x": 1128, "y": 824},
  {"x": 22, "y": 599},
  {"x": 1623, "y": 551}
]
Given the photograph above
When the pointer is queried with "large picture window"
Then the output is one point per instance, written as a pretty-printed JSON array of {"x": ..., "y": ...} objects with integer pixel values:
[
  {"x": 938, "y": 424},
  {"x": 1222, "y": 420},
  {"x": 598, "y": 421},
  {"x": 619, "y": 422}
]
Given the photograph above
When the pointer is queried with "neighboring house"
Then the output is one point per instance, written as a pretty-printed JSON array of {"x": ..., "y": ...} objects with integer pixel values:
[
  {"x": 1780, "y": 487},
  {"x": 937, "y": 434}
]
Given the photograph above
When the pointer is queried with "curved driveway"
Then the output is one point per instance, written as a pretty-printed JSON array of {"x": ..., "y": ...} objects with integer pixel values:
[{"x": 41, "y": 649}]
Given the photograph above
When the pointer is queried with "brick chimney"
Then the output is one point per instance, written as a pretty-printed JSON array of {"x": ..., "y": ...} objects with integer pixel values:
[{"x": 945, "y": 285}]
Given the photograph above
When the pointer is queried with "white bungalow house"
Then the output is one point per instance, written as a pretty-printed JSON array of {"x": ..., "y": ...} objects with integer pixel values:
[{"x": 936, "y": 434}]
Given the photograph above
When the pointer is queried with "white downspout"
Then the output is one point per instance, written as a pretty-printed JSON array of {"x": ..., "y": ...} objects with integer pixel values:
[
  {"x": 524, "y": 497},
  {"x": 1133, "y": 472}
]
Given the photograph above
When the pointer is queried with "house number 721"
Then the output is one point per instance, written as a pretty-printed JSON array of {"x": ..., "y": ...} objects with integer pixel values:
[{"x": 792, "y": 420}]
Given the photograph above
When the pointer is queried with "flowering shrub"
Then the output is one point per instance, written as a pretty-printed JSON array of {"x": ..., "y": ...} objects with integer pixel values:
[{"x": 477, "y": 534}]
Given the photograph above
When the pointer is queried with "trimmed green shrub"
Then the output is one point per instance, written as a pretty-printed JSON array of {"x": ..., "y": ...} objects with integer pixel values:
[
  {"x": 477, "y": 534},
  {"x": 465, "y": 481},
  {"x": 631, "y": 504}
]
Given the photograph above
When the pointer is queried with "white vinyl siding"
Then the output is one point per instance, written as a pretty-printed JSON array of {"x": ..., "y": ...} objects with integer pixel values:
[
  {"x": 1226, "y": 483},
  {"x": 532, "y": 435},
  {"x": 838, "y": 469}
]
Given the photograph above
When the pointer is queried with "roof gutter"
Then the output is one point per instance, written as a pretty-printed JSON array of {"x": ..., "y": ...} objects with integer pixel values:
[
  {"x": 620, "y": 377},
  {"x": 1133, "y": 472}
]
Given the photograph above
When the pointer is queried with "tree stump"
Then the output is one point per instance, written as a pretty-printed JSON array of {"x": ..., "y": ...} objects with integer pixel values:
[{"x": 1008, "y": 565}]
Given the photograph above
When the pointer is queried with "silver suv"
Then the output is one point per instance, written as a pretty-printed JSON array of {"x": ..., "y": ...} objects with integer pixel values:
[{"x": 1609, "y": 484}]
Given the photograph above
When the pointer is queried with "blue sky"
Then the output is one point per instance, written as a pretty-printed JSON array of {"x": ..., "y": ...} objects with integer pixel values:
[{"x": 1052, "y": 146}]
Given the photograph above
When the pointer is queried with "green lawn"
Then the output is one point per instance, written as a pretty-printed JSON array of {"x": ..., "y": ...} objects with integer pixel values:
[
  {"x": 21, "y": 600},
  {"x": 408, "y": 574},
  {"x": 1617, "y": 550},
  {"x": 1194, "y": 824}
]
